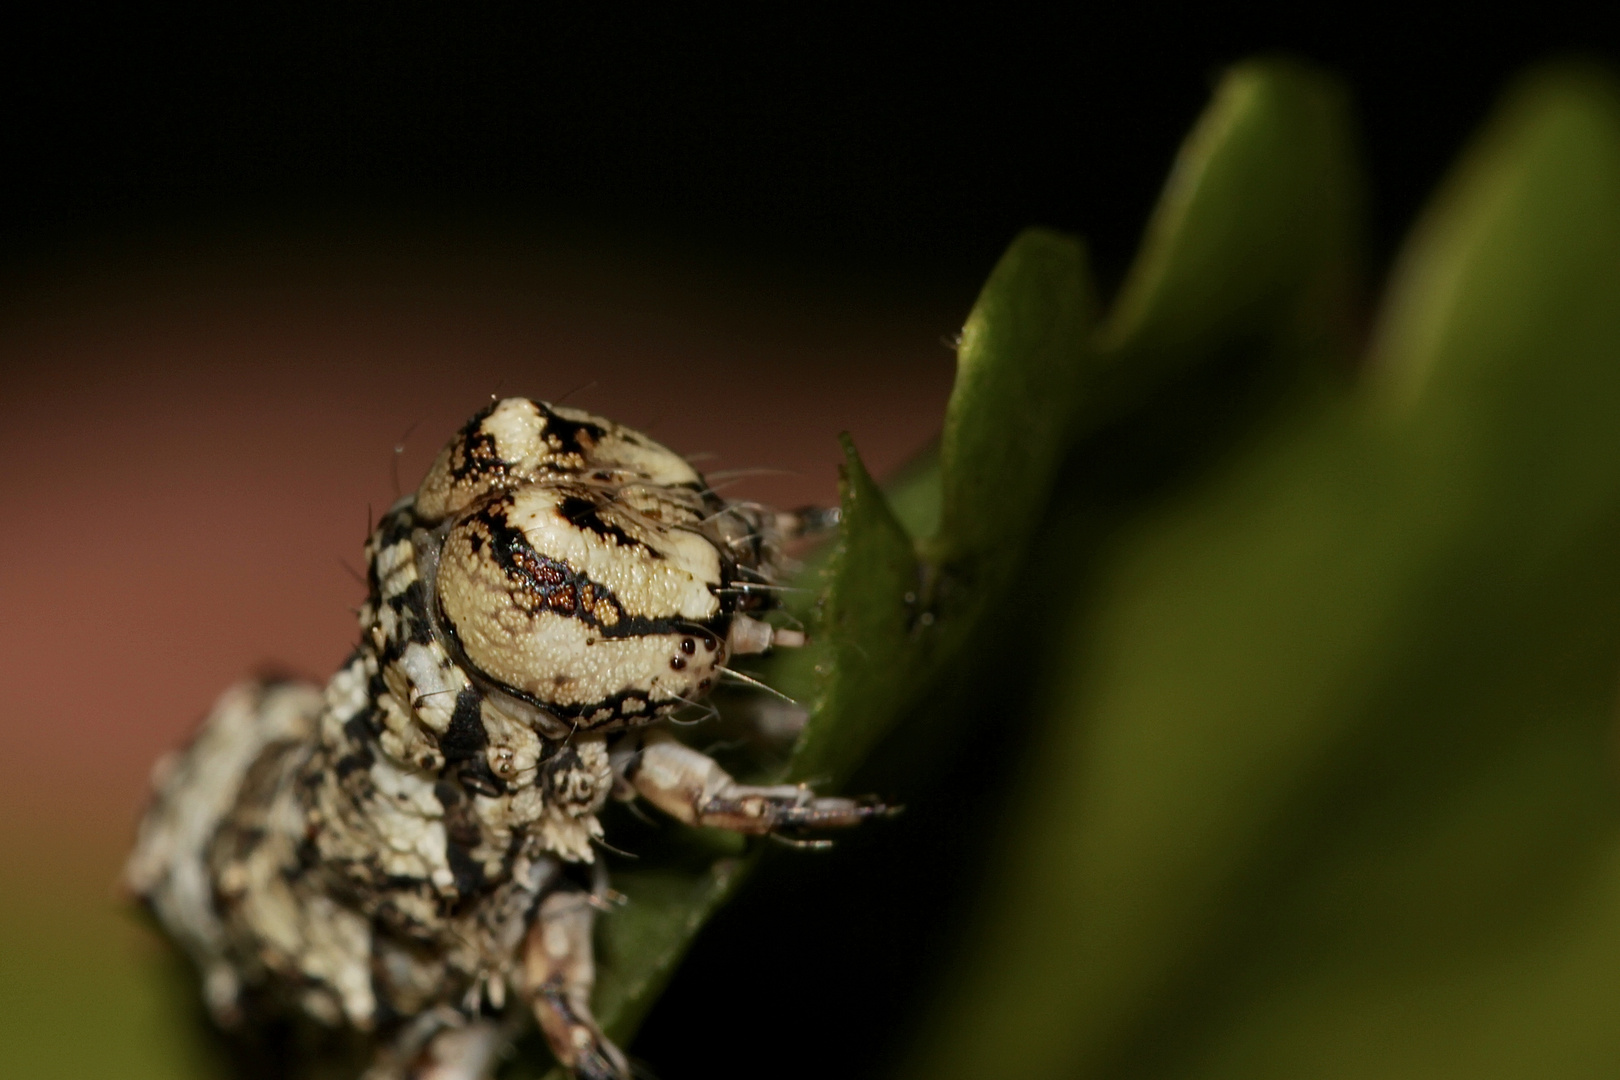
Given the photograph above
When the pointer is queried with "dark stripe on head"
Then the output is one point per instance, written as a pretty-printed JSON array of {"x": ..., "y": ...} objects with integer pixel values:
[
  {"x": 570, "y": 436},
  {"x": 474, "y": 453},
  {"x": 585, "y": 514},
  {"x": 548, "y": 584}
]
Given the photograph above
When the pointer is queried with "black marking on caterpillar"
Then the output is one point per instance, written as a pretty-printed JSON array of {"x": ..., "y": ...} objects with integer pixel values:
[
  {"x": 466, "y": 737},
  {"x": 564, "y": 435}
]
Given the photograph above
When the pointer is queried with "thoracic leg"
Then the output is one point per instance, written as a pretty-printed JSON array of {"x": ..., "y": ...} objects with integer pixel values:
[
  {"x": 559, "y": 972},
  {"x": 693, "y": 788}
]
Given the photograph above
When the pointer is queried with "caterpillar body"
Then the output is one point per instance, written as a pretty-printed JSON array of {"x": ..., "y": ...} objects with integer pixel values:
[{"x": 409, "y": 852}]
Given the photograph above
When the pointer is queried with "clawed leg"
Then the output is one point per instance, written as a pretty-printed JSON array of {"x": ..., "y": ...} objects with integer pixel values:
[
  {"x": 692, "y": 787},
  {"x": 559, "y": 972}
]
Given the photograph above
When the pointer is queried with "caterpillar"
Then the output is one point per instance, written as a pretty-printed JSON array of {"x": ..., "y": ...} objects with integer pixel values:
[{"x": 409, "y": 853}]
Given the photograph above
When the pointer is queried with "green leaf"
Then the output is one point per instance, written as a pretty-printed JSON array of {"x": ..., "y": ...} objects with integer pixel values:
[
  {"x": 869, "y": 613},
  {"x": 1473, "y": 904},
  {"x": 862, "y": 639},
  {"x": 640, "y": 945},
  {"x": 1021, "y": 366},
  {"x": 874, "y": 647},
  {"x": 914, "y": 493},
  {"x": 1327, "y": 785},
  {"x": 1256, "y": 235},
  {"x": 1030, "y": 376}
]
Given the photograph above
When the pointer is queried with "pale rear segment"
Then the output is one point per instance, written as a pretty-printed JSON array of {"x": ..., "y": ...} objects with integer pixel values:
[{"x": 410, "y": 854}]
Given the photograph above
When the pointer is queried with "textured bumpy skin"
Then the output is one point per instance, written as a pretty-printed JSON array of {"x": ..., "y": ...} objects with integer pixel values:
[{"x": 408, "y": 853}]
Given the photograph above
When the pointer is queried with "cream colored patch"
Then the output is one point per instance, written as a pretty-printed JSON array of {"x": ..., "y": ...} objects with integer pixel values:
[
  {"x": 518, "y": 430},
  {"x": 408, "y": 820},
  {"x": 561, "y": 660},
  {"x": 627, "y": 449},
  {"x": 337, "y": 951},
  {"x": 434, "y": 683},
  {"x": 347, "y": 690},
  {"x": 437, "y": 498},
  {"x": 565, "y": 823},
  {"x": 676, "y": 584},
  {"x": 570, "y": 838},
  {"x": 396, "y": 568},
  {"x": 196, "y": 792},
  {"x": 547, "y": 656}
]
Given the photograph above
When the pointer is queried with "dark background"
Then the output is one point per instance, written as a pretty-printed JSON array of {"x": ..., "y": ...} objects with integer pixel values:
[
  {"x": 847, "y": 147},
  {"x": 850, "y": 139}
]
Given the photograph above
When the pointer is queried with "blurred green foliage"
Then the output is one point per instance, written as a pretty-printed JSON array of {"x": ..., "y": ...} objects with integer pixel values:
[
  {"x": 1327, "y": 783},
  {"x": 1323, "y": 633},
  {"x": 1324, "y": 782}
]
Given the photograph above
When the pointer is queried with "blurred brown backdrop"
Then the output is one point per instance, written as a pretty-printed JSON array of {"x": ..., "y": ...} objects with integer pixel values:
[
  {"x": 243, "y": 258},
  {"x": 196, "y": 437}
]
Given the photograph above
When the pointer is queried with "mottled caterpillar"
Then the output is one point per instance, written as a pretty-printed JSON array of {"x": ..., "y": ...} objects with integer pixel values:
[{"x": 408, "y": 852}]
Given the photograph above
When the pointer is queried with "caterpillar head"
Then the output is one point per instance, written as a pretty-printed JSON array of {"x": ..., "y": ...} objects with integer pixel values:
[{"x": 582, "y": 568}]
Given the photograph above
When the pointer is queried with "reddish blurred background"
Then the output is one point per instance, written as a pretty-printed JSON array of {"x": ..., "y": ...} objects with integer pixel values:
[
  {"x": 243, "y": 258},
  {"x": 195, "y": 439},
  {"x": 196, "y": 436}
]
